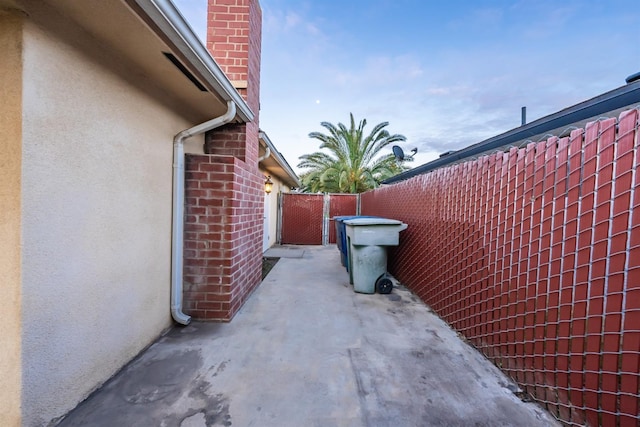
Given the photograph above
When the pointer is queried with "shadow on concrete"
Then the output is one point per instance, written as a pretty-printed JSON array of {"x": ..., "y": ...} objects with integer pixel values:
[{"x": 305, "y": 350}]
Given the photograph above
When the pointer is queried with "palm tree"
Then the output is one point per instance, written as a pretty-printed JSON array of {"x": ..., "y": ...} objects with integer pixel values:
[{"x": 352, "y": 164}]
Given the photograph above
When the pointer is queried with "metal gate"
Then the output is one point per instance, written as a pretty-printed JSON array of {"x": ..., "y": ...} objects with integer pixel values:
[
  {"x": 341, "y": 204},
  {"x": 305, "y": 219}
]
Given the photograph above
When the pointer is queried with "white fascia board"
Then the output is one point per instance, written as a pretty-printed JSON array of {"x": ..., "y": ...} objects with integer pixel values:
[
  {"x": 173, "y": 26},
  {"x": 280, "y": 159}
]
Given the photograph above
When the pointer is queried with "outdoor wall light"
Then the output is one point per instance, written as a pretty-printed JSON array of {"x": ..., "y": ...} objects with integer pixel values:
[{"x": 268, "y": 185}]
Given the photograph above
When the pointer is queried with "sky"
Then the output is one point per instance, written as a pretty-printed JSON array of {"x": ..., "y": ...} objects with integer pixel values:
[{"x": 445, "y": 74}]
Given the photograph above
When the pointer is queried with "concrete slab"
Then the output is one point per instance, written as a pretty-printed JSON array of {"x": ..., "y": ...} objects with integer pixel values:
[
  {"x": 305, "y": 350},
  {"x": 284, "y": 252}
]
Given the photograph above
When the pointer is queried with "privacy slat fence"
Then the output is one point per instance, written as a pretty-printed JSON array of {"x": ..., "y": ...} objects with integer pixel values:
[
  {"x": 339, "y": 205},
  {"x": 306, "y": 218},
  {"x": 302, "y": 219},
  {"x": 534, "y": 256}
]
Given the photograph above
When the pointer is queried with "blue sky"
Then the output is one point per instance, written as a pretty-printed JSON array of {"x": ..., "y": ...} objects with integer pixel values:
[{"x": 446, "y": 74}]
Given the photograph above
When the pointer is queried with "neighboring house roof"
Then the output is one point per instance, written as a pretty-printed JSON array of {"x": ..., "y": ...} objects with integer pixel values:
[
  {"x": 155, "y": 45},
  {"x": 610, "y": 103},
  {"x": 275, "y": 163}
]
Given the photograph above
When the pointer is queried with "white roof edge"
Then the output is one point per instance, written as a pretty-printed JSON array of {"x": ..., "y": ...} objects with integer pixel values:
[
  {"x": 170, "y": 21},
  {"x": 279, "y": 158}
]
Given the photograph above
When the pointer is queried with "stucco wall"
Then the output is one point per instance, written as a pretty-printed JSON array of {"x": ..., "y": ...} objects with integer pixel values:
[
  {"x": 96, "y": 218},
  {"x": 278, "y": 187},
  {"x": 10, "y": 135},
  {"x": 271, "y": 207}
]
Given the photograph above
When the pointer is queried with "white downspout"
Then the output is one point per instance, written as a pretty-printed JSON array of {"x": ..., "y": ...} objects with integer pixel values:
[
  {"x": 267, "y": 153},
  {"x": 177, "y": 234}
]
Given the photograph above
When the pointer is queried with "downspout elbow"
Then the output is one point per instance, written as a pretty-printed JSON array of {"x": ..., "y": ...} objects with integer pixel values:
[
  {"x": 177, "y": 235},
  {"x": 266, "y": 155}
]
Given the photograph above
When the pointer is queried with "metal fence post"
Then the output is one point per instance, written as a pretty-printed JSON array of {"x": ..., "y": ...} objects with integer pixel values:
[
  {"x": 325, "y": 218},
  {"x": 279, "y": 219}
]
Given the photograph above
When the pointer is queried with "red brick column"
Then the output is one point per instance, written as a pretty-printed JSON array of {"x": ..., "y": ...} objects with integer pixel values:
[
  {"x": 224, "y": 188},
  {"x": 223, "y": 236},
  {"x": 237, "y": 140}
]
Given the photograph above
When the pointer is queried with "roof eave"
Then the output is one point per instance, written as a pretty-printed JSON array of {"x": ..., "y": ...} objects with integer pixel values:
[
  {"x": 293, "y": 177},
  {"x": 165, "y": 19}
]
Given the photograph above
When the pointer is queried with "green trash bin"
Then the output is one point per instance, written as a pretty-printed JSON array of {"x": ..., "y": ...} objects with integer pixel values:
[
  {"x": 367, "y": 241},
  {"x": 341, "y": 236}
]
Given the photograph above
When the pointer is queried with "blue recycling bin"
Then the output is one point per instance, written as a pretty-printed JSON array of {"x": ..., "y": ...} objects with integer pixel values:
[{"x": 341, "y": 236}]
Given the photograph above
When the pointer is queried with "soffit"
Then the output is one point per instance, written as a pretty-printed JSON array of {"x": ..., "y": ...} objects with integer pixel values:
[
  {"x": 277, "y": 166},
  {"x": 116, "y": 28}
]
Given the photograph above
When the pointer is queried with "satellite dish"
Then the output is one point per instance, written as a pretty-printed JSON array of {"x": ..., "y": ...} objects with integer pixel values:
[{"x": 397, "y": 151}]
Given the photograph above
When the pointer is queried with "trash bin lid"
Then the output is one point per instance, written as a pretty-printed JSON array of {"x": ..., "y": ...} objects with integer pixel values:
[
  {"x": 347, "y": 217},
  {"x": 372, "y": 221}
]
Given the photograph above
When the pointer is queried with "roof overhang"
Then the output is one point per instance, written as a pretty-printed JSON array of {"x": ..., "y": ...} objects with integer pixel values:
[
  {"x": 149, "y": 42},
  {"x": 276, "y": 164},
  {"x": 168, "y": 23}
]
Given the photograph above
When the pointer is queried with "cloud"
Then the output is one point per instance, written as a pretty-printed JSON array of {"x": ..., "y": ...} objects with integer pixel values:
[
  {"x": 448, "y": 91},
  {"x": 290, "y": 23},
  {"x": 291, "y": 20},
  {"x": 485, "y": 19},
  {"x": 375, "y": 71},
  {"x": 545, "y": 19},
  {"x": 445, "y": 83}
]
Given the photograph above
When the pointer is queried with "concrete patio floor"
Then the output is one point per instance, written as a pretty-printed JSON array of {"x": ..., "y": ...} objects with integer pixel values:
[{"x": 305, "y": 350}]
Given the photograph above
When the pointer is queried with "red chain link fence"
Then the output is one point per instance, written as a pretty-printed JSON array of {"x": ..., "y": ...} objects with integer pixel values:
[
  {"x": 339, "y": 205},
  {"x": 302, "y": 219},
  {"x": 534, "y": 256},
  {"x": 307, "y": 218}
]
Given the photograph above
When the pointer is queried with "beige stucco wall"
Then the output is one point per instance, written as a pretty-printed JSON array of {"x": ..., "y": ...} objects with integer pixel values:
[
  {"x": 272, "y": 206},
  {"x": 96, "y": 191},
  {"x": 10, "y": 162}
]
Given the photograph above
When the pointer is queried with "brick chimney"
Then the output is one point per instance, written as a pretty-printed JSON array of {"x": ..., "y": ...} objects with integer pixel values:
[
  {"x": 234, "y": 39},
  {"x": 224, "y": 187}
]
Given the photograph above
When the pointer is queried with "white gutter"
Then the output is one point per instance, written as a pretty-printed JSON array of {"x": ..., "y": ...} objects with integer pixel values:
[
  {"x": 281, "y": 161},
  {"x": 177, "y": 237},
  {"x": 163, "y": 16}
]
